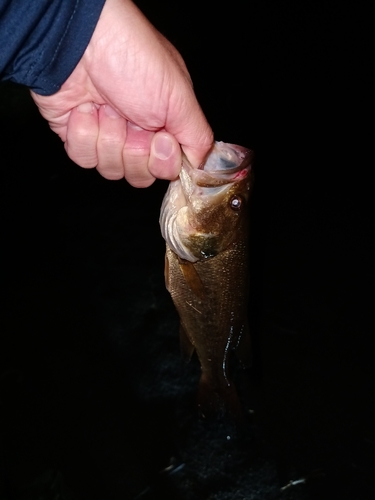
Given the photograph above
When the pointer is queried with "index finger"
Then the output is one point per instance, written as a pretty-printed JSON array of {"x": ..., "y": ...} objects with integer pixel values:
[{"x": 192, "y": 130}]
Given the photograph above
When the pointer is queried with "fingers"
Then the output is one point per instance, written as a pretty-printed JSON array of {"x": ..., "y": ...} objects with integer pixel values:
[
  {"x": 141, "y": 156},
  {"x": 135, "y": 156},
  {"x": 82, "y": 135},
  {"x": 196, "y": 138},
  {"x": 150, "y": 155},
  {"x": 99, "y": 137},
  {"x": 186, "y": 121},
  {"x": 110, "y": 143},
  {"x": 165, "y": 156},
  {"x": 197, "y": 154}
]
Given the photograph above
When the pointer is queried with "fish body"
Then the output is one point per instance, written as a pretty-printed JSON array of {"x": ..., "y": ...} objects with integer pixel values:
[{"x": 204, "y": 220}]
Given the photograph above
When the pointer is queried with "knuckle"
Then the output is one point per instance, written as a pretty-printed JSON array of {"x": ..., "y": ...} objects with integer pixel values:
[
  {"x": 84, "y": 161},
  {"x": 111, "y": 173},
  {"x": 112, "y": 140},
  {"x": 137, "y": 173},
  {"x": 84, "y": 135},
  {"x": 83, "y": 156},
  {"x": 140, "y": 183}
]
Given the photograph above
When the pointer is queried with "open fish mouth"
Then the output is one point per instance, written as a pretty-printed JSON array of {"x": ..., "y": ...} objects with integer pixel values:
[
  {"x": 198, "y": 193},
  {"x": 229, "y": 158},
  {"x": 225, "y": 164}
]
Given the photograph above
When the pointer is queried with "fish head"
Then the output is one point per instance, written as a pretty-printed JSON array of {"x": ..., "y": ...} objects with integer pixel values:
[{"x": 205, "y": 210}]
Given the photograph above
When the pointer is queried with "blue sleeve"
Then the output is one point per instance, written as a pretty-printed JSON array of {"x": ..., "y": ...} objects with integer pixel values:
[{"x": 41, "y": 41}]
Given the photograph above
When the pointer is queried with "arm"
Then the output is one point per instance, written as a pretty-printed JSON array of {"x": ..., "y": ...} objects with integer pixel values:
[
  {"x": 129, "y": 102},
  {"x": 43, "y": 40}
]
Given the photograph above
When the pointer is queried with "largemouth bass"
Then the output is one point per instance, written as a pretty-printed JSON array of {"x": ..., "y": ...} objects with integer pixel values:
[{"x": 204, "y": 220}]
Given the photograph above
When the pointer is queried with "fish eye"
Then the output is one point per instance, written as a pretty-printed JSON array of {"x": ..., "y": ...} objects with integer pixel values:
[{"x": 235, "y": 202}]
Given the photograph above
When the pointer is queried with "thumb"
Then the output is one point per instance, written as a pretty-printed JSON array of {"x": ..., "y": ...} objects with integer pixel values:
[
  {"x": 191, "y": 130},
  {"x": 197, "y": 155},
  {"x": 165, "y": 156},
  {"x": 197, "y": 144}
]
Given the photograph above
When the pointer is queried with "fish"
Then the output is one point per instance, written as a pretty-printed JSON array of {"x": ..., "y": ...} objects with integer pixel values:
[{"x": 204, "y": 220}]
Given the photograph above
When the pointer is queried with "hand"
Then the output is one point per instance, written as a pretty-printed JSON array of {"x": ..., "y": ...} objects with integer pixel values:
[{"x": 129, "y": 103}]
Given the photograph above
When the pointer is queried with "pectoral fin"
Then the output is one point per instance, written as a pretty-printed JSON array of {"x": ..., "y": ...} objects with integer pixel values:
[
  {"x": 186, "y": 346},
  {"x": 192, "y": 278}
]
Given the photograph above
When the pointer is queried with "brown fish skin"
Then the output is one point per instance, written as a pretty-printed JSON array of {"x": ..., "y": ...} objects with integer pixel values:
[{"x": 210, "y": 294}]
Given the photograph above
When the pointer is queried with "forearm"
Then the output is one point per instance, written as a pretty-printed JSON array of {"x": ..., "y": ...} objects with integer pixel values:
[{"x": 43, "y": 40}]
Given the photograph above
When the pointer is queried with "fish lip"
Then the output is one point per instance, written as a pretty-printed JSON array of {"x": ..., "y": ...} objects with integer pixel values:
[
  {"x": 239, "y": 150},
  {"x": 219, "y": 177},
  {"x": 197, "y": 189}
]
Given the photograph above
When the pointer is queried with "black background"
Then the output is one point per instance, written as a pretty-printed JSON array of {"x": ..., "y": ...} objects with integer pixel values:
[{"x": 95, "y": 401}]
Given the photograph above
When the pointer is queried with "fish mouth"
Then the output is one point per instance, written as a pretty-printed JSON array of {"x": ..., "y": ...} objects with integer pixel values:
[
  {"x": 225, "y": 164},
  {"x": 226, "y": 158},
  {"x": 198, "y": 191}
]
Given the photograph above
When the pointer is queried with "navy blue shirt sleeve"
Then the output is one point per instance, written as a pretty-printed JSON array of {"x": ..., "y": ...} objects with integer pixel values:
[{"x": 41, "y": 41}]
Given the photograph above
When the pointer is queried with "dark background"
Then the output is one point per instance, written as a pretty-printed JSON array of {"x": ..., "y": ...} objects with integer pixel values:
[{"x": 95, "y": 400}]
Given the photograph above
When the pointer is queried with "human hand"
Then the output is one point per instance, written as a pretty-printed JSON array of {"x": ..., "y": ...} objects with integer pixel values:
[{"x": 129, "y": 103}]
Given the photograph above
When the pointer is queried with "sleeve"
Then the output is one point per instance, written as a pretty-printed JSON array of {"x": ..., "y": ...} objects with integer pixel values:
[{"x": 42, "y": 41}]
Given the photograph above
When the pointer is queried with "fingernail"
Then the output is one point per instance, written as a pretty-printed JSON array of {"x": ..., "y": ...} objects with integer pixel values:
[
  {"x": 163, "y": 147},
  {"x": 109, "y": 111},
  {"x": 86, "y": 107}
]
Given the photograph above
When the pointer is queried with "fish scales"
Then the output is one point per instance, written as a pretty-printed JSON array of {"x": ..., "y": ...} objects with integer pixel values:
[
  {"x": 206, "y": 269},
  {"x": 220, "y": 311}
]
